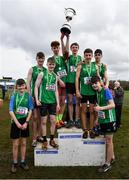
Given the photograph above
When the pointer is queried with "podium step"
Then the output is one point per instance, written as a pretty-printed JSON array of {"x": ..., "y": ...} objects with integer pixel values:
[{"x": 73, "y": 150}]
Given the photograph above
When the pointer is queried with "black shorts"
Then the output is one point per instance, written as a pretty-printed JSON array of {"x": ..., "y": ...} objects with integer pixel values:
[
  {"x": 108, "y": 127},
  {"x": 16, "y": 133},
  {"x": 70, "y": 88},
  {"x": 47, "y": 108},
  {"x": 92, "y": 99}
]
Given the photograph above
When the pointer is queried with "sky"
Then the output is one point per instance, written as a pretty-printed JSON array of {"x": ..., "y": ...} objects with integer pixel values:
[{"x": 29, "y": 26}]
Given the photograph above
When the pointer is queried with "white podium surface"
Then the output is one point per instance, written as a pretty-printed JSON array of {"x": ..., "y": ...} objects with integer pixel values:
[{"x": 73, "y": 150}]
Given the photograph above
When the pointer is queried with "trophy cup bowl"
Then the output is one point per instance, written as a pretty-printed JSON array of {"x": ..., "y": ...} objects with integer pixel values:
[{"x": 66, "y": 27}]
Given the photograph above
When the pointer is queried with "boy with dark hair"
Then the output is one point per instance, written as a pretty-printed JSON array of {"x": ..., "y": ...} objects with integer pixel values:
[
  {"x": 85, "y": 71},
  {"x": 74, "y": 44},
  {"x": 60, "y": 70},
  {"x": 48, "y": 99},
  {"x": 106, "y": 119},
  {"x": 55, "y": 44},
  {"x": 31, "y": 78},
  {"x": 20, "y": 109},
  {"x": 72, "y": 62},
  {"x": 102, "y": 68}
]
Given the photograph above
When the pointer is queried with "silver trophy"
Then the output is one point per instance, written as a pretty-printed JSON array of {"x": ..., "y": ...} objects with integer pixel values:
[{"x": 69, "y": 13}]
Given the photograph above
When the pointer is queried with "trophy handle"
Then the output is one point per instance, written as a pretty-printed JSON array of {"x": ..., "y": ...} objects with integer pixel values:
[
  {"x": 70, "y": 10},
  {"x": 74, "y": 12}
]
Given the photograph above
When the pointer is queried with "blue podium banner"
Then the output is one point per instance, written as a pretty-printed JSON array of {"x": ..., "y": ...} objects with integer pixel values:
[
  {"x": 47, "y": 152},
  {"x": 70, "y": 136}
]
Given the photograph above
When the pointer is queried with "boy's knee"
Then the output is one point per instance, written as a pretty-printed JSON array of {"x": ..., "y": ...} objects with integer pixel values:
[
  {"x": 108, "y": 140},
  {"x": 83, "y": 110},
  {"x": 53, "y": 120},
  {"x": 78, "y": 103},
  {"x": 43, "y": 123},
  {"x": 91, "y": 110},
  {"x": 16, "y": 145},
  {"x": 23, "y": 143},
  {"x": 70, "y": 103}
]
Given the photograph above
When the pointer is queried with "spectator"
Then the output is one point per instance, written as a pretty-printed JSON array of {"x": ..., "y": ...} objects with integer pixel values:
[
  {"x": 4, "y": 90},
  {"x": 118, "y": 99},
  {"x": 111, "y": 88}
]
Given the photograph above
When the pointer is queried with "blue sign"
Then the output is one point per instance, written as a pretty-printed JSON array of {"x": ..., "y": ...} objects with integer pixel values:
[
  {"x": 70, "y": 136},
  {"x": 93, "y": 142},
  {"x": 47, "y": 152}
]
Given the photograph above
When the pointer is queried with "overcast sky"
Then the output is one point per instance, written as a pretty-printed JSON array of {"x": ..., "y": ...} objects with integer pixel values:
[{"x": 29, "y": 26}]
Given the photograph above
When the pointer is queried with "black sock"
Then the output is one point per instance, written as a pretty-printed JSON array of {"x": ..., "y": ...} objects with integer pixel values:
[
  {"x": 51, "y": 137},
  {"x": 15, "y": 162},
  {"x": 44, "y": 138}
]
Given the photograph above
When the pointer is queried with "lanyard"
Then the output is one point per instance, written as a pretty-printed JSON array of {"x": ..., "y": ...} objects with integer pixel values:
[
  {"x": 39, "y": 69},
  {"x": 49, "y": 81},
  {"x": 57, "y": 58},
  {"x": 99, "y": 97},
  {"x": 19, "y": 99},
  {"x": 89, "y": 70},
  {"x": 100, "y": 67},
  {"x": 76, "y": 59}
]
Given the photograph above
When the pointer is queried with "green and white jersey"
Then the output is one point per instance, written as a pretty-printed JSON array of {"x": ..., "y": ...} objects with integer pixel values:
[
  {"x": 35, "y": 73},
  {"x": 21, "y": 104},
  {"x": 87, "y": 71},
  {"x": 101, "y": 70},
  {"x": 72, "y": 67},
  {"x": 105, "y": 116},
  {"x": 60, "y": 68},
  {"x": 48, "y": 88}
]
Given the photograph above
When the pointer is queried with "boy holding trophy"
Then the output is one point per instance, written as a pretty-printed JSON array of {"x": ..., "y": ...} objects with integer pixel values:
[{"x": 72, "y": 62}]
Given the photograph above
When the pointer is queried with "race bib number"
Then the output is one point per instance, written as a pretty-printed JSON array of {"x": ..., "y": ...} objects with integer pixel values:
[
  {"x": 73, "y": 69},
  {"x": 62, "y": 73},
  {"x": 22, "y": 110},
  {"x": 51, "y": 87},
  {"x": 87, "y": 80},
  {"x": 101, "y": 114}
]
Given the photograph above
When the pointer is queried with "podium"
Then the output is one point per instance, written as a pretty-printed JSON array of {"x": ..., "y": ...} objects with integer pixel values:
[{"x": 73, "y": 150}]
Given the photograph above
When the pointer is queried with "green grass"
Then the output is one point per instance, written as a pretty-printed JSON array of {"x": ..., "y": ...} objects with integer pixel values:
[
  {"x": 126, "y": 98},
  {"x": 120, "y": 169}
]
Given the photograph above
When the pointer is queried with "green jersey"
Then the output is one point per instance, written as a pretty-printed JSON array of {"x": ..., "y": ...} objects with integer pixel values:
[
  {"x": 71, "y": 68},
  {"x": 48, "y": 88},
  {"x": 60, "y": 68},
  {"x": 101, "y": 70},
  {"x": 21, "y": 103},
  {"x": 105, "y": 116},
  {"x": 35, "y": 73},
  {"x": 85, "y": 75}
]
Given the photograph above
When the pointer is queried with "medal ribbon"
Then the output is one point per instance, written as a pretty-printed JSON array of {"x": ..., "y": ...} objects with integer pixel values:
[
  {"x": 19, "y": 99},
  {"x": 89, "y": 70},
  {"x": 99, "y": 96},
  {"x": 57, "y": 58},
  {"x": 76, "y": 59},
  {"x": 100, "y": 66},
  {"x": 49, "y": 82}
]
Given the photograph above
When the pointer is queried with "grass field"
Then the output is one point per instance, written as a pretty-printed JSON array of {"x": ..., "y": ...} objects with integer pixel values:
[{"x": 120, "y": 169}]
